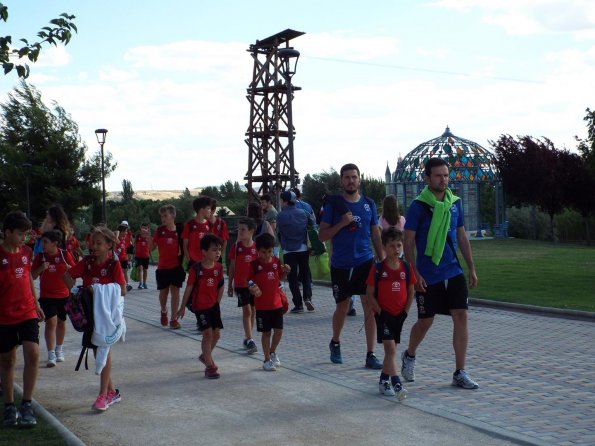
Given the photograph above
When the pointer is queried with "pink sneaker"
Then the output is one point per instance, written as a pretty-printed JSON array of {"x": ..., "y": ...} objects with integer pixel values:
[
  {"x": 113, "y": 397},
  {"x": 101, "y": 403}
]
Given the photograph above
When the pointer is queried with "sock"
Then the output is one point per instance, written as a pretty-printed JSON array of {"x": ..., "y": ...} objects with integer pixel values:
[
  {"x": 408, "y": 355},
  {"x": 335, "y": 342},
  {"x": 50, "y": 351},
  {"x": 9, "y": 404},
  {"x": 369, "y": 354},
  {"x": 383, "y": 377},
  {"x": 395, "y": 380},
  {"x": 457, "y": 371},
  {"x": 58, "y": 348}
]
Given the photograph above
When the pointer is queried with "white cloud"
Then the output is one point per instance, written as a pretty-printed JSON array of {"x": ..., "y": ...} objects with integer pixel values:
[
  {"x": 434, "y": 53},
  {"x": 53, "y": 56},
  {"x": 347, "y": 45}
]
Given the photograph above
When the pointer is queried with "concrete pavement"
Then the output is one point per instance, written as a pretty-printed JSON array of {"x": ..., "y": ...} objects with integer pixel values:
[{"x": 535, "y": 372}]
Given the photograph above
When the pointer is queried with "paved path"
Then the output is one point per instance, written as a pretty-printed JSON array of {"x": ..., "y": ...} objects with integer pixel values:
[{"x": 535, "y": 372}]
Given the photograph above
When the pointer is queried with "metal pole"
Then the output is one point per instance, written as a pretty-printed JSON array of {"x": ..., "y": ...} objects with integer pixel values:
[
  {"x": 290, "y": 126},
  {"x": 103, "y": 209}
]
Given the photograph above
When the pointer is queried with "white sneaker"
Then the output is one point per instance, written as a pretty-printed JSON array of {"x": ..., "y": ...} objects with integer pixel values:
[
  {"x": 386, "y": 388},
  {"x": 275, "y": 359},
  {"x": 59, "y": 355},
  {"x": 269, "y": 366},
  {"x": 51, "y": 358},
  {"x": 400, "y": 391},
  {"x": 407, "y": 367}
]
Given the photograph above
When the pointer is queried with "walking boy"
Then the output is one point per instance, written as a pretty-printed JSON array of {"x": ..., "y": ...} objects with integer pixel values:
[
  {"x": 218, "y": 227},
  {"x": 20, "y": 314},
  {"x": 195, "y": 229},
  {"x": 141, "y": 254},
  {"x": 263, "y": 282},
  {"x": 241, "y": 254},
  {"x": 170, "y": 275},
  {"x": 390, "y": 294},
  {"x": 434, "y": 226},
  {"x": 205, "y": 288}
]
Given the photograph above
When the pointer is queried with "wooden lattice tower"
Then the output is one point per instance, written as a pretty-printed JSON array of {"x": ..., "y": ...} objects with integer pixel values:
[{"x": 270, "y": 135}]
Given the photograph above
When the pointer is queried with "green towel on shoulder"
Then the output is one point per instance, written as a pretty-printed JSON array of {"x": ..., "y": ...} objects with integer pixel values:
[{"x": 440, "y": 222}]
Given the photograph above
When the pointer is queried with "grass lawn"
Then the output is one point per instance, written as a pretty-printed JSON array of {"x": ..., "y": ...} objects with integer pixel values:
[
  {"x": 535, "y": 273},
  {"x": 42, "y": 434}
]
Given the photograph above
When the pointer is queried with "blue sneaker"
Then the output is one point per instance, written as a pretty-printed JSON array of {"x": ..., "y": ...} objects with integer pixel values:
[
  {"x": 335, "y": 353},
  {"x": 372, "y": 362}
]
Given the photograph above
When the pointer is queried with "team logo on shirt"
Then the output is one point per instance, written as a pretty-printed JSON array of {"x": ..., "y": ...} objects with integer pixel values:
[
  {"x": 403, "y": 275},
  {"x": 367, "y": 207},
  {"x": 95, "y": 280},
  {"x": 210, "y": 281},
  {"x": 52, "y": 268},
  {"x": 271, "y": 275},
  {"x": 384, "y": 274},
  {"x": 18, "y": 272},
  {"x": 274, "y": 266},
  {"x": 5, "y": 261},
  {"x": 103, "y": 272},
  {"x": 25, "y": 259},
  {"x": 215, "y": 273},
  {"x": 259, "y": 268},
  {"x": 357, "y": 221},
  {"x": 57, "y": 260},
  {"x": 396, "y": 286}
]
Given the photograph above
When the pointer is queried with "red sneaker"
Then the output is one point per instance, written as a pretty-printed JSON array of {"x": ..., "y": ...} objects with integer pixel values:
[
  {"x": 174, "y": 325},
  {"x": 212, "y": 373},
  {"x": 164, "y": 319},
  {"x": 201, "y": 358}
]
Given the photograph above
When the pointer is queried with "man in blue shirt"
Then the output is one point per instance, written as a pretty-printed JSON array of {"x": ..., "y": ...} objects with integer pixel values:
[
  {"x": 292, "y": 227},
  {"x": 350, "y": 220},
  {"x": 433, "y": 228}
]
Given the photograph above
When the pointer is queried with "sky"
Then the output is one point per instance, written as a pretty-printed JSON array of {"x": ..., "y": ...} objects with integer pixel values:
[{"x": 168, "y": 79}]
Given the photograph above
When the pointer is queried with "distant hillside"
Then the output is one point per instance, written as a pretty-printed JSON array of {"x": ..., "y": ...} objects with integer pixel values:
[{"x": 153, "y": 194}]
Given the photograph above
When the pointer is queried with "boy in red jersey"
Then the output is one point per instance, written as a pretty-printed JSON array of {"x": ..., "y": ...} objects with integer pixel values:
[
  {"x": 241, "y": 254},
  {"x": 123, "y": 244},
  {"x": 20, "y": 314},
  {"x": 394, "y": 279},
  {"x": 73, "y": 246},
  {"x": 218, "y": 227},
  {"x": 206, "y": 292},
  {"x": 170, "y": 275},
  {"x": 263, "y": 281},
  {"x": 141, "y": 254},
  {"x": 195, "y": 229},
  {"x": 50, "y": 266}
]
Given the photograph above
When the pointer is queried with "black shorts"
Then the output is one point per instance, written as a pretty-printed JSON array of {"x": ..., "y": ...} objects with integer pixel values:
[
  {"x": 142, "y": 261},
  {"x": 389, "y": 327},
  {"x": 15, "y": 334},
  {"x": 347, "y": 282},
  {"x": 130, "y": 250},
  {"x": 124, "y": 264},
  {"x": 209, "y": 318},
  {"x": 442, "y": 297},
  {"x": 266, "y": 320},
  {"x": 170, "y": 277},
  {"x": 53, "y": 307},
  {"x": 244, "y": 297}
]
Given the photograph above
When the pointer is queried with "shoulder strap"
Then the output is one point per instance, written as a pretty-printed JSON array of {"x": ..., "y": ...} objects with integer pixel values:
[
  {"x": 377, "y": 273},
  {"x": 407, "y": 272}
]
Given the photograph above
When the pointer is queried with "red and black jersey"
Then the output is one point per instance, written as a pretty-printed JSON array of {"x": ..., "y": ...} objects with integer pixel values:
[{"x": 17, "y": 302}]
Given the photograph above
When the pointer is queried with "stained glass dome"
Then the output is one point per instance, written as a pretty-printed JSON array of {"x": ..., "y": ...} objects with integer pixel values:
[
  {"x": 471, "y": 168},
  {"x": 468, "y": 161}
]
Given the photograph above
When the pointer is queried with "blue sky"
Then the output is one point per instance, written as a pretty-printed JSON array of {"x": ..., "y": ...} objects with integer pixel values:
[{"x": 168, "y": 79}]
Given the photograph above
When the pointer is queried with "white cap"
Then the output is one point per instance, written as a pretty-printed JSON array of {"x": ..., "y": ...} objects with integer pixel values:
[{"x": 124, "y": 222}]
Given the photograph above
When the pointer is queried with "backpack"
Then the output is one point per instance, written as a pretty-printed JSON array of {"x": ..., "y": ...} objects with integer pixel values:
[
  {"x": 339, "y": 207},
  {"x": 196, "y": 267},
  {"x": 379, "y": 272}
]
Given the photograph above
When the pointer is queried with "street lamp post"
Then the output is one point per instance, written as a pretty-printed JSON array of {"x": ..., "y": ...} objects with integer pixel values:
[
  {"x": 290, "y": 57},
  {"x": 101, "y": 133},
  {"x": 27, "y": 167}
]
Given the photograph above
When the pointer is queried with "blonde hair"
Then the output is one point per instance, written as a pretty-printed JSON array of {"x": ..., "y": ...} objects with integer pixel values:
[
  {"x": 106, "y": 233},
  {"x": 169, "y": 208}
]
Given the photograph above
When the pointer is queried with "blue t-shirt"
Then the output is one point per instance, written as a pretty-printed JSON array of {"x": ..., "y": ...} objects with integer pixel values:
[
  {"x": 418, "y": 220},
  {"x": 351, "y": 245}
]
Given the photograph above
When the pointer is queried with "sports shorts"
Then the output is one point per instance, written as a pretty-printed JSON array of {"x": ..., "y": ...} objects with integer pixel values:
[
  {"x": 15, "y": 334},
  {"x": 52, "y": 306},
  {"x": 142, "y": 261},
  {"x": 209, "y": 318},
  {"x": 389, "y": 327},
  {"x": 441, "y": 297},
  {"x": 347, "y": 282},
  {"x": 170, "y": 277},
  {"x": 244, "y": 297},
  {"x": 124, "y": 263},
  {"x": 266, "y": 320}
]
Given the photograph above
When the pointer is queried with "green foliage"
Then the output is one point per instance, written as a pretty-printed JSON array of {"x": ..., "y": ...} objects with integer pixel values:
[
  {"x": 127, "y": 191},
  {"x": 374, "y": 188},
  {"x": 319, "y": 184},
  {"x": 528, "y": 223},
  {"x": 60, "y": 32},
  {"x": 47, "y": 140},
  {"x": 586, "y": 147}
]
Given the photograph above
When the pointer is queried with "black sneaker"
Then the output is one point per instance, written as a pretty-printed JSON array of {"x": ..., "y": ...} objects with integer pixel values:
[
  {"x": 297, "y": 310},
  {"x": 352, "y": 312},
  {"x": 11, "y": 415},
  {"x": 27, "y": 415},
  {"x": 309, "y": 305}
]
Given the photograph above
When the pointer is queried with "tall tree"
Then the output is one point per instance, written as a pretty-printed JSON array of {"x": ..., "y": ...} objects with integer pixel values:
[
  {"x": 60, "y": 32},
  {"x": 127, "y": 191},
  {"x": 531, "y": 173},
  {"x": 48, "y": 143}
]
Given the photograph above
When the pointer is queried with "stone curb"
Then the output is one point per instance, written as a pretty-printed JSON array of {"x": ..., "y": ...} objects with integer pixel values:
[{"x": 69, "y": 438}]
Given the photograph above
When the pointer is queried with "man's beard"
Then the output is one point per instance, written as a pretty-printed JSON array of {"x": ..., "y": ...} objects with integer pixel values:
[{"x": 351, "y": 192}]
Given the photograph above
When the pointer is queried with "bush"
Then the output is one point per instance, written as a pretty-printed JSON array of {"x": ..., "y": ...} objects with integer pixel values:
[{"x": 520, "y": 224}]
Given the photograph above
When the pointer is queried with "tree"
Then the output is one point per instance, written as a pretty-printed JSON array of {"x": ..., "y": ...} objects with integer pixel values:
[
  {"x": 47, "y": 140},
  {"x": 127, "y": 192},
  {"x": 60, "y": 31},
  {"x": 587, "y": 147},
  {"x": 374, "y": 188},
  {"x": 532, "y": 173}
]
